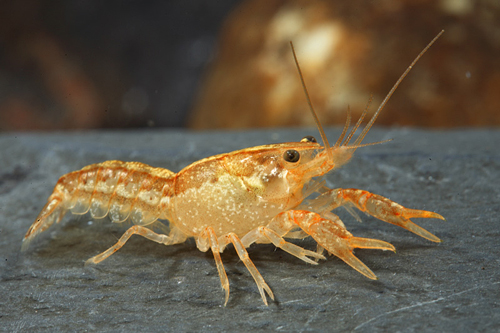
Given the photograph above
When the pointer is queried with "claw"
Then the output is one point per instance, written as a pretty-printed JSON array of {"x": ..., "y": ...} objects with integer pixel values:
[
  {"x": 339, "y": 242},
  {"x": 369, "y": 243},
  {"x": 385, "y": 210},
  {"x": 353, "y": 261},
  {"x": 410, "y": 226},
  {"x": 404, "y": 221}
]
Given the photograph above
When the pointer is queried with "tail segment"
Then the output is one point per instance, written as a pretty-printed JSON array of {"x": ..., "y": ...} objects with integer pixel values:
[
  {"x": 52, "y": 212},
  {"x": 55, "y": 209},
  {"x": 124, "y": 190}
]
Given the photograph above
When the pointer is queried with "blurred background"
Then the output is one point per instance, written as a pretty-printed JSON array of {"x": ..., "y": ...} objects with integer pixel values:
[{"x": 203, "y": 64}]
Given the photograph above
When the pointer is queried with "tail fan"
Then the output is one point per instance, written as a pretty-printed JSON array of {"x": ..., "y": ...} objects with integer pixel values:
[{"x": 52, "y": 212}]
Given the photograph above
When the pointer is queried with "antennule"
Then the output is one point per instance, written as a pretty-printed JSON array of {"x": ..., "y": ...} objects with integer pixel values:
[
  {"x": 358, "y": 123},
  {"x": 344, "y": 130}
]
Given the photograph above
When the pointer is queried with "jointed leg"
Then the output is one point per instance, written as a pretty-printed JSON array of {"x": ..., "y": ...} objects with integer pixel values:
[
  {"x": 208, "y": 237},
  {"x": 243, "y": 254},
  {"x": 296, "y": 234},
  {"x": 291, "y": 248},
  {"x": 272, "y": 236},
  {"x": 174, "y": 237},
  {"x": 377, "y": 206}
]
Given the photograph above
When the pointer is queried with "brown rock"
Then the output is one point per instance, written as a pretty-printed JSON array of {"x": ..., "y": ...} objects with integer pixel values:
[{"x": 348, "y": 50}]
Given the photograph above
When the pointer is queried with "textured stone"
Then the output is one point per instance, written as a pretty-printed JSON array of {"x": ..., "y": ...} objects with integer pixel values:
[{"x": 452, "y": 286}]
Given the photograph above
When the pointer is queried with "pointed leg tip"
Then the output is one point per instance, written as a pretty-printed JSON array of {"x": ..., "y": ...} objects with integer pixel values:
[
  {"x": 369, "y": 243},
  {"x": 89, "y": 262},
  {"x": 263, "y": 294},
  {"x": 270, "y": 293},
  {"x": 433, "y": 215},
  {"x": 317, "y": 259},
  {"x": 390, "y": 247},
  {"x": 315, "y": 256},
  {"x": 432, "y": 238},
  {"x": 24, "y": 245},
  {"x": 425, "y": 214},
  {"x": 370, "y": 275},
  {"x": 438, "y": 216},
  {"x": 227, "y": 297}
]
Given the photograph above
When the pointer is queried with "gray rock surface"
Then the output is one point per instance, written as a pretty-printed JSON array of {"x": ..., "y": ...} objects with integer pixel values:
[{"x": 452, "y": 286}]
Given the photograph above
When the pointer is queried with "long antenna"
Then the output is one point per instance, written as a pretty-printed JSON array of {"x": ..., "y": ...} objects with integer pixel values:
[
  {"x": 384, "y": 102},
  {"x": 316, "y": 119}
]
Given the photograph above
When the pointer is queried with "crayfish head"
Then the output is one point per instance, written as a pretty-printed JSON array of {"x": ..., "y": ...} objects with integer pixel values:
[
  {"x": 314, "y": 162},
  {"x": 280, "y": 173},
  {"x": 302, "y": 161}
]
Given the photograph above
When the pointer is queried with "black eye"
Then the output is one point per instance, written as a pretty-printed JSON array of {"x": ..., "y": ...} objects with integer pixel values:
[
  {"x": 291, "y": 156},
  {"x": 309, "y": 138}
]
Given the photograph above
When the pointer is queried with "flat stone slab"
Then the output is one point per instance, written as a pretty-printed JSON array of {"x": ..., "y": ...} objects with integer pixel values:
[{"x": 451, "y": 286}]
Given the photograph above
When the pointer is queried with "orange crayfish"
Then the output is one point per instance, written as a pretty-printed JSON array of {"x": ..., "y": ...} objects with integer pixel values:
[{"x": 253, "y": 195}]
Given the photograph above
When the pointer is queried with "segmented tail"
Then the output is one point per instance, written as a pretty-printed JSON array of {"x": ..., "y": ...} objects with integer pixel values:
[
  {"x": 52, "y": 212},
  {"x": 123, "y": 190}
]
